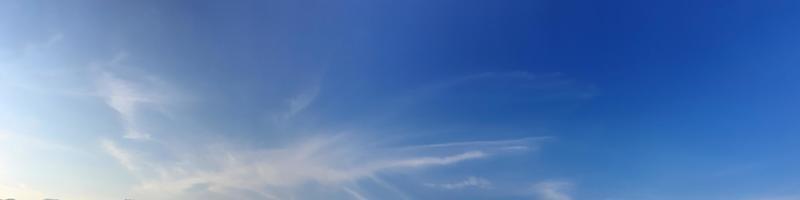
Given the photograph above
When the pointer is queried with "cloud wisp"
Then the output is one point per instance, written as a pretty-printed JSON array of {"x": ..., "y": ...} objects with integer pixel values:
[
  {"x": 128, "y": 96},
  {"x": 553, "y": 190},
  {"x": 125, "y": 97},
  {"x": 277, "y": 173},
  {"x": 470, "y": 182}
]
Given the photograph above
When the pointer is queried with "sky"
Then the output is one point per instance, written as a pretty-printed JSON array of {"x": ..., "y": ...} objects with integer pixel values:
[{"x": 412, "y": 99}]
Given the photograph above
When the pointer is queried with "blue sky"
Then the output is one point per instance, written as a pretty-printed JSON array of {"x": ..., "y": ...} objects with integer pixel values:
[{"x": 417, "y": 99}]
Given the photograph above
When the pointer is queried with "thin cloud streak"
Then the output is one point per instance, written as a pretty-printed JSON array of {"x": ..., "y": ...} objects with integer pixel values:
[
  {"x": 508, "y": 143},
  {"x": 124, "y": 158},
  {"x": 356, "y": 195},
  {"x": 470, "y": 182},
  {"x": 328, "y": 161}
]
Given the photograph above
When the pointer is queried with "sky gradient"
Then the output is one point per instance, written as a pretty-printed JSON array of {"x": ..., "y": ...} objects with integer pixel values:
[{"x": 414, "y": 99}]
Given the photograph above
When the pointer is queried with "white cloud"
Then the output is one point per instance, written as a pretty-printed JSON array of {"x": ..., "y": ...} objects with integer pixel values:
[
  {"x": 4, "y": 135},
  {"x": 37, "y": 47},
  {"x": 335, "y": 162},
  {"x": 123, "y": 157},
  {"x": 515, "y": 144},
  {"x": 300, "y": 102},
  {"x": 356, "y": 195},
  {"x": 20, "y": 191},
  {"x": 553, "y": 190},
  {"x": 470, "y": 182},
  {"x": 433, "y": 161},
  {"x": 128, "y": 96},
  {"x": 297, "y": 104},
  {"x": 125, "y": 97},
  {"x": 26, "y": 141}
]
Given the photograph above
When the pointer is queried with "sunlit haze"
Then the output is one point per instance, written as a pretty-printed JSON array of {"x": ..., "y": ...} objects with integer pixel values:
[{"x": 406, "y": 100}]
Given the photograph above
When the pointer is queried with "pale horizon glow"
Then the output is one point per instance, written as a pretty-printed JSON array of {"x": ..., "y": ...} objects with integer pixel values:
[{"x": 405, "y": 100}]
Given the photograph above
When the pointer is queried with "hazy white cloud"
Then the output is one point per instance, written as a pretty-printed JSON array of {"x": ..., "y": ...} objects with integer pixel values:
[
  {"x": 123, "y": 157},
  {"x": 39, "y": 46},
  {"x": 515, "y": 144},
  {"x": 433, "y": 161},
  {"x": 20, "y": 191},
  {"x": 125, "y": 97},
  {"x": 470, "y": 182},
  {"x": 303, "y": 100},
  {"x": 129, "y": 95},
  {"x": 356, "y": 195},
  {"x": 297, "y": 104},
  {"x": 541, "y": 81},
  {"x": 4, "y": 135},
  {"x": 553, "y": 190},
  {"x": 29, "y": 141},
  {"x": 334, "y": 162}
]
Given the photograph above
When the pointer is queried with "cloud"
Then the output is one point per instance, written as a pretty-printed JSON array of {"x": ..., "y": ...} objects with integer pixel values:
[
  {"x": 515, "y": 144},
  {"x": 328, "y": 161},
  {"x": 470, "y": 182},
  {"x": 297, "y": 104},
  {"x": 356, "y": 195},
  {"x": 39, "y": 46},
  {"x": 27, "y": 141},
  {"x": 543, "y": 81},
  {"x": 20, "y": 191},
  {"x": 4, "y": 135},
  {"x": 125, "y": 97},
  {"x": 301, "y": 101},
  {"x": 553, "y": 190},
  {"x": 124, "y": 158},
  {"x": 129, "y": 95}
]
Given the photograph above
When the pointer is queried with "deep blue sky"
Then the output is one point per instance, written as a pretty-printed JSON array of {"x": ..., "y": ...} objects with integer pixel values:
[{"x": 415, "y": 99}]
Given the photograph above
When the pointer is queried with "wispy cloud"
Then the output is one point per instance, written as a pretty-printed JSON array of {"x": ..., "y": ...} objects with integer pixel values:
[
  {"x": 124, "y": 97},
  {"x": 296, "y": 104},
  {"x": 30, "y": 141},
  {"x": 518, "y": 144},
  {"x": 470, "y": 182},
  {"x": 553, "y": 190},
  {"x": 123, "y": 157},
  {"x": 127, "y": 97},
  {"x": 303, "y": 100},
  {"x": 37, "y": 47},
  {"x": 335, "y": 162},
  {"x": 536, "y": 81},
  {"x": 356, "y": 195},
  {"x": 432, "y": 161}
]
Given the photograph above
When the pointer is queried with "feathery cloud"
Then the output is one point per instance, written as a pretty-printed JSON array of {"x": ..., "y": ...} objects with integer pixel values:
[
  {"x": 123, "y": 157},
  {"x": 470, "y": 182},
  {"x": 335, "y": 162},
  {"x": 127, "y": 97}
]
